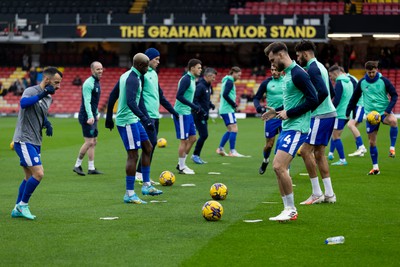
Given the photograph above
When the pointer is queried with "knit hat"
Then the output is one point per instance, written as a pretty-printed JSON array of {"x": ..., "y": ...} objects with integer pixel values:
[{"x": 152, "y": 53}]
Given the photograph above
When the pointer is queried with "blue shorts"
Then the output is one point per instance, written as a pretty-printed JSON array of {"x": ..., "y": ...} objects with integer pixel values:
[
  {"x": 132, "y": 135},
  {"x": 290, "y": 141},
  {"x": 272, "y": 127},
  {"x": 340, "y": 123},
  {"x": 372, "y": 128},
  {"x": 229, "y": 118},
  {"x": 321, "y": 131},
  {"x": 184, "y": 127},
  {"x": 29, "y": 155},
  {"x": 89, "y": 131},
  {"x": 358, "y": 114}
]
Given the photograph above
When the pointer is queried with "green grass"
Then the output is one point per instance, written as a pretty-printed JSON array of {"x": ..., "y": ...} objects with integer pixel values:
[{"x": 68, "y": 231}]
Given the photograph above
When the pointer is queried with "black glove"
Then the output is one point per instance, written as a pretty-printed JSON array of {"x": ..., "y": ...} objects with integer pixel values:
[
  {"x": 109, "y": 123},
  {"x": 49, "y": 89},
  {"x": 260, "y": 109},
  {"x": 49, "y": 128},
  {"x": 148, "y": 125},
  {"x": 212, "y": 106}
]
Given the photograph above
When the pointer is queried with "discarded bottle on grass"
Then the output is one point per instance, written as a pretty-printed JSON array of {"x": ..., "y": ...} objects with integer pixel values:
[{"x": 334, "y": 240}]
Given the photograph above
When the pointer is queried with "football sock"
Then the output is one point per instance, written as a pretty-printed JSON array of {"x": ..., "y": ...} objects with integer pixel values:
[
  {"x": 284, "y": 201},
  {"x": 332, "y": 147},
  {"x": 21, "y": 190},
  {"x": 373, "y": 150},
  {"x": 375, "y": 166},
  {"x": 130, "y": 183},
  {"x": 91, "y": 165},
  {"x": 224, "y": 139},
  {"x": 339, "y": 148},
  {"x": 267, "y": 153},
  {"x": 359, "y": 141},
  {"x": 290, "y": 200},
  {"x": 316, "y": 189},
  {"x": 78, "y": 162},
  {"x": 393, "y": 135},
  {"x": 146, "y": 174},
  {"x": 328, "y": 186},
  {"x": 182, "y": 163},
  {"x": 232, "y": 140},
  {"x": 30, "y": 187}
]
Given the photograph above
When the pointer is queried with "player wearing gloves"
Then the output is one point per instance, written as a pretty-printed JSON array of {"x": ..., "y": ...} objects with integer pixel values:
[
  {"x": 133, "y": 133},
  {"x": 32, "y": 118}
]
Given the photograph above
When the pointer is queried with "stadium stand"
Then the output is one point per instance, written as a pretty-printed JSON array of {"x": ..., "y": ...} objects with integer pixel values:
[{"x": 68, "y": 99}]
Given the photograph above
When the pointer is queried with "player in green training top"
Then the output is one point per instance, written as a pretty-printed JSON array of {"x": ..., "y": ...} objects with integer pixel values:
[
  {"x": 375, "y": 90},
  {"x": 88, "y": 118},
  {"x": 322, "y": 122},
  {"x": 343, "y": 92},
  {"x": 128, "y": 92},
  {"x": 227, "y": 109},
  {"x": 272, "y": 87},
  {"x": 153, "y": 97},
  {"x": 184, "y": 124},
  {"x": 299, "y": 98}
]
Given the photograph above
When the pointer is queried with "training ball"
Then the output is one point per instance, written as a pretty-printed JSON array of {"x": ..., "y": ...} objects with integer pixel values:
[
  {"x": 167, "y": 178},
  {"x": 212, "y": 210},
  {"x": 218, "y": 191},
  {"x": 12, "y": 145},
  {"x": 374, "y": 117},
  {"x": 162, "y": 142}
]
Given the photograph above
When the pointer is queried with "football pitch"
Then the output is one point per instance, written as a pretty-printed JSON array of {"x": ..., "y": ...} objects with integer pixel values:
[{"x": 68, "y": 230}]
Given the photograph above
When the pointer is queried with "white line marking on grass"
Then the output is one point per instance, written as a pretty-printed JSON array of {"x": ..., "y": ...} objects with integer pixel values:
[
  {"x": 188, "y": 185},
  {"x": 158, "y": 201},
  {"x": 253, "y": 221},
  {"x": 216, "y": 173},
  {"x": 269, "y": 202},
  {"x": 109, "y": 218}
]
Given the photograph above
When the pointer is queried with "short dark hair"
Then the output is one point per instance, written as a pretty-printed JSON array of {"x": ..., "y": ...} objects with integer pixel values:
[
  {"x": 51, "y": 71},
  {"x": 275, "y": 48},
  {"x": 305, "y": 45},
  {"x": 193, "y": 62},
  {"x": 234, "y": 70},
  {"x": 370, "y": 65},
  {"x": 209, "y": 71},
  {"x": 335, "y": 68}
]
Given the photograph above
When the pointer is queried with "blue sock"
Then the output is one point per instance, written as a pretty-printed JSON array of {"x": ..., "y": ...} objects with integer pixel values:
[
  {"x": 232, "y": 140},
  {"x": 21, "y": 190},
  {"x": 267, "y": 153},
  {"x": 30, "y": 186},
  {"x": 130, "y": 182},
  {"x": 373, "y": 150},
  {"x": 339, "y": 147},
  {"x": 333, "y": 146},
  {"x": 393, "y": 135},
  {"x": 224, "y": 139},
  {"x": 359, "y": 141},
  {"x": 146, "y": 174}
]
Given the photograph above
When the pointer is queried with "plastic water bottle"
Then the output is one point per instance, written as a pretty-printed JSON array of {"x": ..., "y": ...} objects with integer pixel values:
[{"x": 334, "y": 240}]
